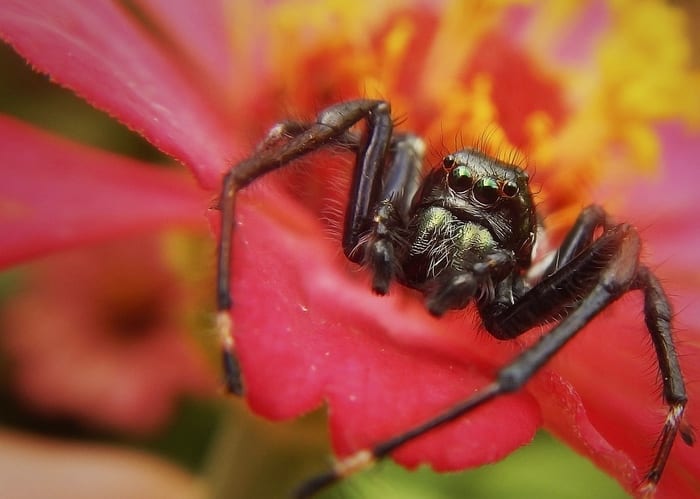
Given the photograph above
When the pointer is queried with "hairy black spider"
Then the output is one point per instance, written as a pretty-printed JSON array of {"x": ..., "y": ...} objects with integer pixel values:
[{"x": 463, "y": 233}]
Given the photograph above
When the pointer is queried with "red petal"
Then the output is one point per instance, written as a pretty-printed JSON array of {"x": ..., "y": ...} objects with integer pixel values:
[
  {"x": 98, "y": 51},
  {"x": 383, "y": 365},
  {"x": 55, "y": 195},
  {"x": 535, "y": 91},
  {"x": 613, "y": 365},
  {"x": 308, "y": 329}
]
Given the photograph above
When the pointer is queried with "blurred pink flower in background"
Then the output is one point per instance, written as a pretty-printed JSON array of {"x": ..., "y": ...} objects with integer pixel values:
[{"x": 99, "y": 335}]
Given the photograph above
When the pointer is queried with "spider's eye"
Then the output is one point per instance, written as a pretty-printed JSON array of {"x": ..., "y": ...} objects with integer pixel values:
[
  {"x": 460, "y": 179},
  {"x": 448, "y": 161},
  {"x": 509, "y": 189},
  {"x": 486, "y": 191}
]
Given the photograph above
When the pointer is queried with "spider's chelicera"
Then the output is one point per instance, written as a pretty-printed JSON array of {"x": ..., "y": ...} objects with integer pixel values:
[{"x": 464, "y": 233}]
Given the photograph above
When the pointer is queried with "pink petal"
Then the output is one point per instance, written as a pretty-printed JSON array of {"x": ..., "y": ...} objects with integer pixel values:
[
  {"x": 94, "y": 48},
  {"x": 665, "y": 208},
  {"x": 578, "y": 38},
  {"x": 55, "y": 194},
  {"x": 576, "y": 34},
  {"x": 200, "y": 30}
]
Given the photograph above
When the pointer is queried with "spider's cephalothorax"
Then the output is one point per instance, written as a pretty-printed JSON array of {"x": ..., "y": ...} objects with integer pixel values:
[
  {"x": 463, "y": 233},
  {"x": 474, "y": 210}
]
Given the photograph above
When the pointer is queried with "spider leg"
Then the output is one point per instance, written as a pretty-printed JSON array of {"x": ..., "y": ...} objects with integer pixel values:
[
  {"x": 456, "y": 290},
  {"x": 384, "y": 234},
  {"x": 285, "y": 130},
  {"x": 609, "y": 269},
  {"x": 285, "y": 143},
  {"x": 579, "y": 237},
  {"x": 621, "y": 274},
  {"x": 568, "y": 275},
  {"x": 558, "y": 294},
  {"x": 657, "y": 316}
]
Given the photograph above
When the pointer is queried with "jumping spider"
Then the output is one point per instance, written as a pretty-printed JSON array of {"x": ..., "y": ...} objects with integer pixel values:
[{"x": 463, "y": 233}]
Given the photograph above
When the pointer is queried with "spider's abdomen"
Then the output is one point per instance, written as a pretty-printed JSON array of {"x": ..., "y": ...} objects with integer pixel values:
[{"x": 442, "y": 241}]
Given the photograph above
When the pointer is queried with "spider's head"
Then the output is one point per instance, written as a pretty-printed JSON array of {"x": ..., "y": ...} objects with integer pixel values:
[{"x": 480, "y": 189}]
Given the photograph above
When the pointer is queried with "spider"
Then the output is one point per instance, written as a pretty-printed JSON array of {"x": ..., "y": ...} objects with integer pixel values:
[{"x": 463, "y": 233}]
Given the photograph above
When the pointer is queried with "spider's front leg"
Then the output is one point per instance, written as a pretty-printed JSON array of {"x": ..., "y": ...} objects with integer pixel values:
[
  {"x": 285, "y": 143},
  {"x": 455, "y": 290},
  {"x": 589, "y": 276},
  {"x": 372, "y": 182},
  {"x": 605, "y": 269},
  {"x": 657, "y": 316},
  {"x": 376, "y": 235}
]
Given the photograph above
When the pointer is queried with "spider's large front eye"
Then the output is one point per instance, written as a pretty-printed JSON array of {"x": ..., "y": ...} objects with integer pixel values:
[
  {"x": 486, "y": 191},
  {"x": 460, "y": 179}
]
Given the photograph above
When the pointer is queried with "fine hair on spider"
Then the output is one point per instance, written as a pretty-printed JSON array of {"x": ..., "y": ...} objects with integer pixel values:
[{"x": 462, "y": 233}]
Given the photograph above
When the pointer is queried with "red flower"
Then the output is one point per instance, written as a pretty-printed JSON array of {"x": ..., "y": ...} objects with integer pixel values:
[{"x": 307, "y": 327}]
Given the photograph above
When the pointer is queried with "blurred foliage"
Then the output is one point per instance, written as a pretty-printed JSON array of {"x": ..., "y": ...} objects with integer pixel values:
[
  {"x": 32, "y": 97},
  {"x": 254, "y": 458}
]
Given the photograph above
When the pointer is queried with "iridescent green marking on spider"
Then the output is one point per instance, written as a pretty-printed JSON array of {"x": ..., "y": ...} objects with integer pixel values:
[
  {"x": 474, "y": 237},
  {"x": 432, "y": 222},
  {"x": 434, "y": 218}
]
